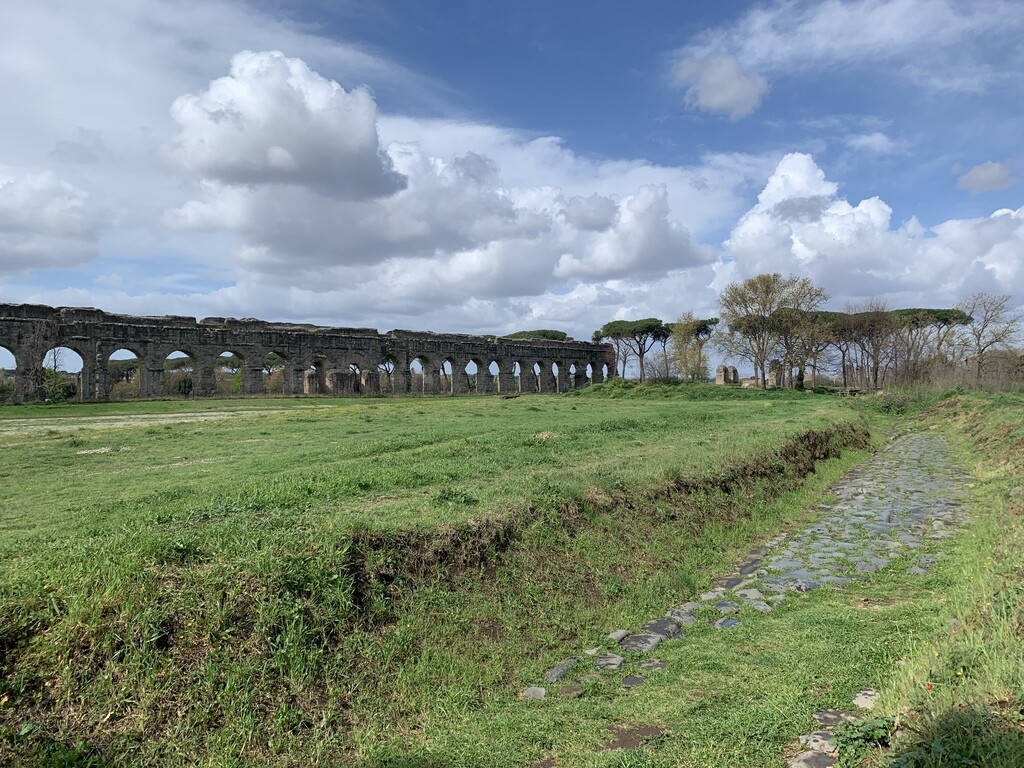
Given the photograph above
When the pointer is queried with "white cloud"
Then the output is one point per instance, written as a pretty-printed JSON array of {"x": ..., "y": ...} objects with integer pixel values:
[
  {"x": 595, "y": 213},
  {"x": 45, "y": 222},
  {"x": 875, "y": 143},
  {"x": 643, "y": 242},
  {"x": 986, "y": 177},
  {"x": 941, "y": 45},
  {"x": 458, "y": 230},
  {"x": 719, "y": 84},
  {"x": 274, "y": 120},
  {"x": 800, "y": 224}
]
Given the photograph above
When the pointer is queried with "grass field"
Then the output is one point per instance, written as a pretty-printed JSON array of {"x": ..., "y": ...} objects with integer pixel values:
[{"x": 323, "y": 582}]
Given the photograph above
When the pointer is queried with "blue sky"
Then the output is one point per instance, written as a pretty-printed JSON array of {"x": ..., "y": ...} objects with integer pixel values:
[{"x": 488, "y": 167}]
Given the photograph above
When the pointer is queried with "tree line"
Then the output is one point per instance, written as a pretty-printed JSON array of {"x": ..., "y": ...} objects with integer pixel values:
[{"x": 776, "y": 325}]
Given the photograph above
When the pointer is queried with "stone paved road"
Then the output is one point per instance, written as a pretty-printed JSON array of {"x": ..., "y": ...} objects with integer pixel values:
[{"x": 908, "y": 495}]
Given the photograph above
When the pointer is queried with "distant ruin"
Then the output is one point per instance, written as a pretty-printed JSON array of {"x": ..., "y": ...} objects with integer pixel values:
[
  {"x": 726, "y": 374},
  {"x": 313, "y": 359}
]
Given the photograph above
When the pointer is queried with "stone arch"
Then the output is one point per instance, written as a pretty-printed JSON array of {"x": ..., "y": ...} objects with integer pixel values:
[
  {"x": 517, "y": 377},
  {"x": 445, "y": 377},
  {"x": 8, "y": 360},
  {"x": 66, "y": 374},
  {"x": 347, "y": 378},
  {"x": 228, "y": 372},
  {"x": 273, "y": 373},
  {"x": 734, "y": 376},
  {"x": 577, "y": 375},
  {"x": 548, "y": 377},
  {"x": 480, "y": 380},
  {"x": 180, "y": 369},
  {"x": 423, "y": 375},
  {"x": 366, "y": 374},
  {"x": 8, "y": 376},
  {"x": 388, "y": 375},
  {"x": 529, "y": 374},
  {"x": 124, "y": 373},
  {"x": 314, "y": 375}
]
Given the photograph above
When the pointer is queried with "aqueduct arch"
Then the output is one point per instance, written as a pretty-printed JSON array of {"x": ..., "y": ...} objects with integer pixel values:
[{"x": 340, "y": 361}]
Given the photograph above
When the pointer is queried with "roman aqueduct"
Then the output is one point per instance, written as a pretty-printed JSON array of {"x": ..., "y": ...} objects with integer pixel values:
[{"x": 314, "y": 359}]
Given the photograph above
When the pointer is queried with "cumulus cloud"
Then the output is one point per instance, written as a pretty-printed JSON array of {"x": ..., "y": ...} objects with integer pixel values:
[
  {"x": 644, "y": 241},
  {"x": 457, "y": 229},
  {"x": 801, "y": 224},
  {"x": 986, "y": 177},
  {"x": 44, "y": 222},
  {"x": 719, "y": 84},
  {"x": 274, "y": 120}
]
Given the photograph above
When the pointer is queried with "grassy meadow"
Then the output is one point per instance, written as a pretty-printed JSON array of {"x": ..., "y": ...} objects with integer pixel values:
[{"x": 372, "y": 582}]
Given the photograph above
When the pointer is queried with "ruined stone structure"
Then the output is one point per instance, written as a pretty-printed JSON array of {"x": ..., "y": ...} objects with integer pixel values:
[
  {"x": 316, "y": 360},
  {"x": 726, "y": 374}
]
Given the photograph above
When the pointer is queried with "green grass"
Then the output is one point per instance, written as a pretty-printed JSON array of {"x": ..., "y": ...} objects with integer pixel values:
[
  {"x": 959, "y": 700},
  {"x": 280, "y": 583},
  {"x": 372, "y": 582},
  {"x": 401, "y": 462}
]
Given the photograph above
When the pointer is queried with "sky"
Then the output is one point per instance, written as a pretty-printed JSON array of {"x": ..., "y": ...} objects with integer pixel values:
[{"x": 488, "y": 167}]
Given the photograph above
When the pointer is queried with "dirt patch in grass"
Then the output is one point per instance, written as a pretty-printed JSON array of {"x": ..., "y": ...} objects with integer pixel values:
[{"x": 630, "y": 737}]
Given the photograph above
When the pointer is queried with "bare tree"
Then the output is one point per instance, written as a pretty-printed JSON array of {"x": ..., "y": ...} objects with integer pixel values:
[
  {"x": 995, "y": 324},
  {"x": 751, "y": 309}
]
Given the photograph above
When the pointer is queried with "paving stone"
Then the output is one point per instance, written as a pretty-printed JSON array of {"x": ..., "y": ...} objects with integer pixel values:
[
  {"x": 802, "y": 585},
  {"x": 749, "y": 567},
  {"x": 682, "y": 618},
  {"x": 610, "y": 661},
  {"x": 811, "y": 759},
  {"x": 666, "y": 627},
  {"x": 570, "y": 691},
  {"x": 727, "y": 606},
  {"x": 867, "y": 567},
  {"x": 820, "y": 741},
  {"x": 916, "y": 570},
  {"x": 866, "y": 699},
  {"x": 760, "y": 606},
  {"x": 828, "y": 718},
  {"x": 713, "y": 594},
  {"x": 641, "y": 642},
  {"x": 631, "y": 681},
  {"x": 617, "y": 635},
  {"x": 561, "y": 669},
  {"x": 593, "y": 651},
  {"x": 534, "y": 693},
  {"x": 727, "y": 623},
  {"x": 690, "y": 607},
  {"x": 749, "y": 594}
]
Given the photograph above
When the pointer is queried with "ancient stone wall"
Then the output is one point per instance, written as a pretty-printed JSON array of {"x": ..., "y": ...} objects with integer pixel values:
[{"x": 315, "y": 359}]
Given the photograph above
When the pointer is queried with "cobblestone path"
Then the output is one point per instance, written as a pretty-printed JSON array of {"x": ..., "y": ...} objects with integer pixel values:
[{"x": 908, "y": 495}]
